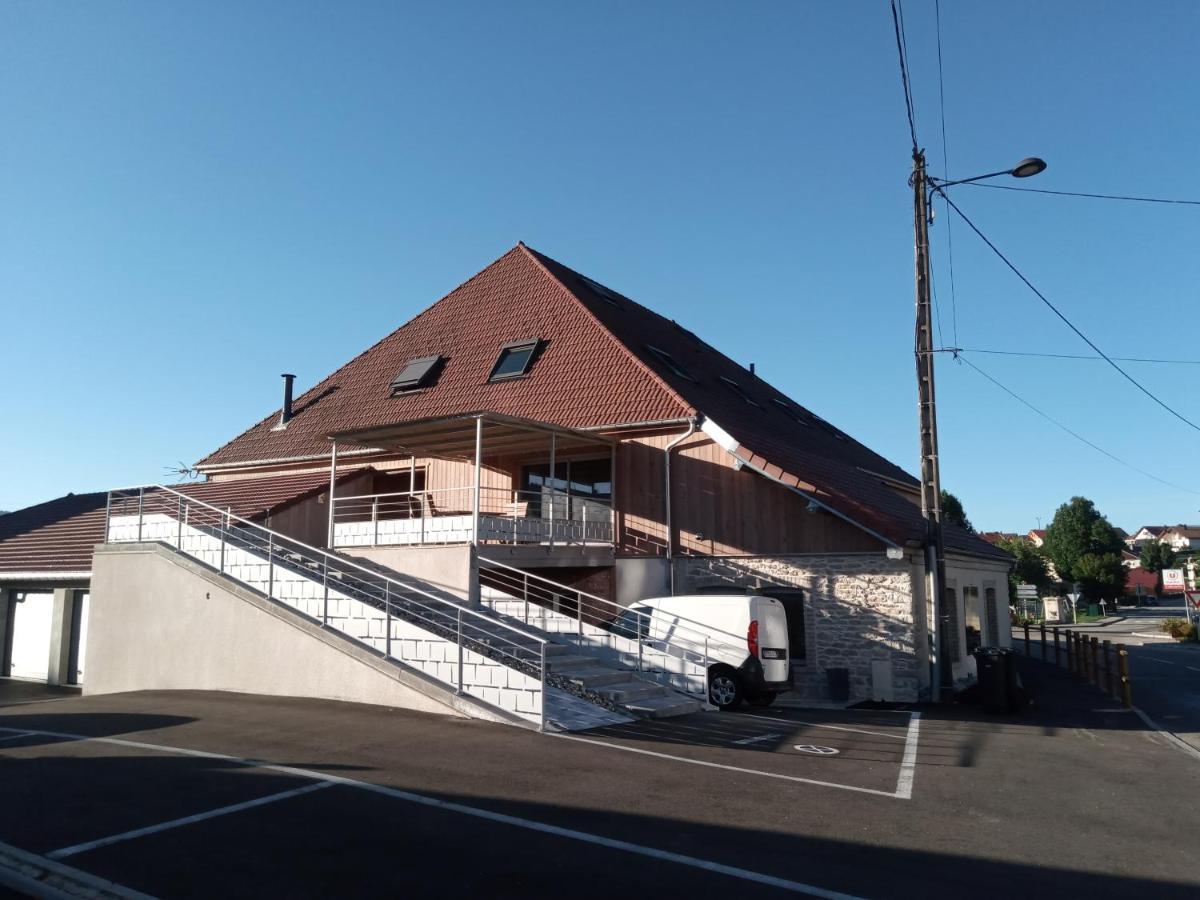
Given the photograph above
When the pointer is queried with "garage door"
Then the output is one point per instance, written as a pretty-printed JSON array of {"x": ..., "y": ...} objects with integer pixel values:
[{"x": 31, "y": 635}]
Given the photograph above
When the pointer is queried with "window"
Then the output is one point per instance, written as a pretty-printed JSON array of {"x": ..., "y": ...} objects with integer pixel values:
[
  {"x": 669, "y": 361},
  {"x": 973, "y": 624},
  {"x": 737, "y": 389},
  {"x": 581, "y": 489},
  {"x": 416, "y": 374},
  {"x": 514, "y": 360},
  {"x": 601, "y": 291}
]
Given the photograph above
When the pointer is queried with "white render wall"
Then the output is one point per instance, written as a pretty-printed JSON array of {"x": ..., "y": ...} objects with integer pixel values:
[{"x": 483, "y": 678}]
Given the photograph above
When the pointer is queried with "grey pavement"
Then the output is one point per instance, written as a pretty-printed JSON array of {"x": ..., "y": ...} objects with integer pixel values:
[{"x": 188, "y": 794}]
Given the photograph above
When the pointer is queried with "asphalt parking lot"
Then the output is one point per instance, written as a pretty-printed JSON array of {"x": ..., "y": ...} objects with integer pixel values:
[{"x": 195, "y": 794}]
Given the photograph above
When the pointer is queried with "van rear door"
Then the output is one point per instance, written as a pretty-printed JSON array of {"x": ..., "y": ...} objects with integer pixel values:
[{"x": 772, "y": 639}]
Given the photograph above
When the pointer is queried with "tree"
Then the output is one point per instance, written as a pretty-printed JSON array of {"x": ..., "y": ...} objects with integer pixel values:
[
  {"x": 1101, "y": 576},
  {"x": 1030, "y": 566},
  {"x": 1155, "y": 557},
  {"x": 953, "y": 512},
  {"x": 1079, "y": 530}
]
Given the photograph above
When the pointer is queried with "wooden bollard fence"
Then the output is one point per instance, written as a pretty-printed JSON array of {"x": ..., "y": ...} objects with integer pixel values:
[
  {"x": 1093, "y": 646},
  {"x": 1057, "y": 648},
  {"x": 1108, "y": 668},
  {"x": 1027, "y": 638},
  {"x": 1042, "y": 629},
  {"x": 1126, "y": 687}
]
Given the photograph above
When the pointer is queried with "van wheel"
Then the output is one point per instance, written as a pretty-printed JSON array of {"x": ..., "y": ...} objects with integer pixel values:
[
  {"x": 724, "y": 689},
  {"x": 763, "y": 699}
]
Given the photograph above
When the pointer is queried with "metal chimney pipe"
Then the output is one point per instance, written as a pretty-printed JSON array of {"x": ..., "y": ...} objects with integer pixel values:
[{"x": 285, "y": 414}]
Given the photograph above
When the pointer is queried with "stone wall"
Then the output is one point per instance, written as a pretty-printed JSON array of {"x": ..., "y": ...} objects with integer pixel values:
[{"x": 858, "y": 610}]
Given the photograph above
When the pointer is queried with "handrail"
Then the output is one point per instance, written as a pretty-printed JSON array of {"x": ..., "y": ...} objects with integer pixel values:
[
  {"x": 340, "y": 560},
  {"x": 738, "y": 640},
  {"x": 540, "y": 492}
]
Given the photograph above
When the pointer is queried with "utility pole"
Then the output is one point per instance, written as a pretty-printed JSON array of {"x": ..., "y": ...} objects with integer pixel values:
[{"x": 931, "y": 480}]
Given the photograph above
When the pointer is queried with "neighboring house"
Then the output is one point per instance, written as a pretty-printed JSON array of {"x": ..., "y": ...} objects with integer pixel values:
[
  {"x": 536, "y": 422},
  {"x": 997, "y": 537},
  {"x": 1181, "y": 538},
  {"x": 1036, "y": 536},
  {"x": 1145, "y": 535},
  {"x": 1130, "y": 560}
]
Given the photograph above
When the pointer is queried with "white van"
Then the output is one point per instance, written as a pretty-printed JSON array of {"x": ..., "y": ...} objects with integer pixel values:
[{"x": 743, "y": 638}]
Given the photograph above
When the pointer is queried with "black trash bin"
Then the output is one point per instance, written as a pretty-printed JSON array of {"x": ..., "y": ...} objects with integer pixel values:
[
  {"x": 991, "y": 667},
  {"x": 839, "y": 684},
  {"x": 1014, "y": 695}
]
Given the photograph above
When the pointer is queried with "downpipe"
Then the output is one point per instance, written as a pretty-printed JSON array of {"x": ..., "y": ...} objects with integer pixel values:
[{"x": 693, "y": 424}]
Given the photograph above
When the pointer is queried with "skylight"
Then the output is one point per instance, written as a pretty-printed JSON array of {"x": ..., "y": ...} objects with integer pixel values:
[
  {"x": 514, "y": 360},
  {"x": 737, "y": 389},
  {"x": 416, "y": 374},
  {"x": 601, "y": 291},
  {"x": 790, "y": 410},
  {"x": 669, "y": 361}
]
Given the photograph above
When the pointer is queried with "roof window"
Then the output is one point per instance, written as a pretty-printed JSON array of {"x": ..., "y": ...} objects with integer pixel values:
[
  {"x": 514, "y": 360},
  {"x": 601, "y": 291},
  {"x": 737, "y": 389},
  {"x": 790, "y": 410},
  {"x": 669, "y": 361},
  {"x": 417, "y": 374}
]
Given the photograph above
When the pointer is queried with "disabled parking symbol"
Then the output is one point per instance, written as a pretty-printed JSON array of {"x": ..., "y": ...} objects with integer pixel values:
[{"x": 816, "y": 749}]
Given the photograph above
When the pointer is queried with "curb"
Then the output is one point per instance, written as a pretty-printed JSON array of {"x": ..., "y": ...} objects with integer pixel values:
[{"x": 37, "y": 876}]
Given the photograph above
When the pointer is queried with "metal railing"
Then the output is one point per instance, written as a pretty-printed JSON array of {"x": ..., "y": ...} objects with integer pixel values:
[
  {"x": 446, "y": 516},
  {"x": 326, "y": 586},
  {"x": 667, "y": 648}
]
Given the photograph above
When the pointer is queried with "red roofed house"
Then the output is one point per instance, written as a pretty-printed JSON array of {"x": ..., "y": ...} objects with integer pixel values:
[{"x": 541, "y": 446}]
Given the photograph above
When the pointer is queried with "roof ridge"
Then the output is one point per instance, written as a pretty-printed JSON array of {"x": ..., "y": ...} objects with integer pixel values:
[
  {"x": 267, "y": 418},
  {"x": 534, "y": 255}
]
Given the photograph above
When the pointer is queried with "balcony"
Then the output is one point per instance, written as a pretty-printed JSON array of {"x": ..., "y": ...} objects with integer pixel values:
[
  {"x": 545, "y": 517},
  {"x": 481, "y": 478}
]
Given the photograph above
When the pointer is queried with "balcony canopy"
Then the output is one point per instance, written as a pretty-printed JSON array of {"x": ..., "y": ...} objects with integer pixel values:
[{"x": 454, "y": 436}]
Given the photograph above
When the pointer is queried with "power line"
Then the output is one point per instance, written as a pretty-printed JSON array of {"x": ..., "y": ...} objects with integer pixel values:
[
  {"x": 1073, "y": 433},
  {"x": 1069, "y": 323},
  {"x": 937, "y": 8},
  {"x": 1030, "y": 190},
  {"x": 1136, "y": 359},
  {"x": 901, "y": 52}
]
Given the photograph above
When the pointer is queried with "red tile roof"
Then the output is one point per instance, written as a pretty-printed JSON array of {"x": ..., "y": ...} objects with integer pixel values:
[
  {"x": 59, "y": 536},
  {"x": 596, "y": 368},
  {"x": 56, "y": 536}
]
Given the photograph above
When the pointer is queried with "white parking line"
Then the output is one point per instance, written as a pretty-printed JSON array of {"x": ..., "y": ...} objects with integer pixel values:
[
  {"x": 64, "y": 852},
  {"x": 894, "y": 737},
  {"x": 908, "y": 766},
  {"x": 13, "y": 737},
  {"x": 488, "y": 815},
  {"x": 716, "y": 765}
]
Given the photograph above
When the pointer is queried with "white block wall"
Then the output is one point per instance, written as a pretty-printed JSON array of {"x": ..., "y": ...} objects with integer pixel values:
[
  {"x": 483, "y": 678},
  {"x": 457, "y": 530}
]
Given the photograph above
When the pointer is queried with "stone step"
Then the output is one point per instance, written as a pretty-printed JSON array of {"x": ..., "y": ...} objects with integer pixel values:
[
  {"x": 568, "y": 661},
  {"x": 629, "y": 691},
  {"x": 596, "y": 676},
  {"x": 663, "y": 707}
]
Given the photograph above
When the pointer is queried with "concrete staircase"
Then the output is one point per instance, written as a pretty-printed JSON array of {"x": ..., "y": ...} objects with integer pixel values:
[{"x": 605, "y": 683}]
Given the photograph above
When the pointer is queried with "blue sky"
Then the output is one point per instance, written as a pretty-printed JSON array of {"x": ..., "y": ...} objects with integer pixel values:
[{"x": 197, "y": 197}]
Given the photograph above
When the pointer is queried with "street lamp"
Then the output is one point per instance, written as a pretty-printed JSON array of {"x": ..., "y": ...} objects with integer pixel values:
[{"x": 945, "y": 612}]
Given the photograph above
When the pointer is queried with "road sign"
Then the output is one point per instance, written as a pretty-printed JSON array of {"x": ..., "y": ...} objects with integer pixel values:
[
  {"x": 1027, "y": 592},
  {"x": 1172, "y": 580}
]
